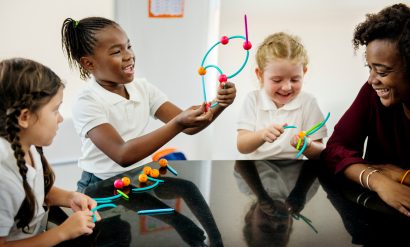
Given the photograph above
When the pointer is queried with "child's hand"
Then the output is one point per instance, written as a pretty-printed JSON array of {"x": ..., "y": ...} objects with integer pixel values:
[
  {"x": 226, "y": 94},
  {"x": 271, "y": 133},
  {"x": 77, "y": 224},
  {"x": 194, "y": 117},
  {"x": 81, "y": 202},
  {"x": 294, "y": 141}
]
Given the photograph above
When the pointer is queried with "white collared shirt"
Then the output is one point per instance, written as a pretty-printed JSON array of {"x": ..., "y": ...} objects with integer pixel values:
[
  {"x": 259, "y": 111},
  {"x": 12, "y": 192},
  {"x": 95, "y": 106}
]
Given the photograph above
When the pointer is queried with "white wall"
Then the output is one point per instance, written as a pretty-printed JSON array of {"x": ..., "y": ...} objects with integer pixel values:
[{"x": 31, "y": 29}]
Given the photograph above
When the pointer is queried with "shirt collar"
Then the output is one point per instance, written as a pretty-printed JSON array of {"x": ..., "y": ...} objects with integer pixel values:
[
  {"x": 268, "y": 105},
  {"x": 113, "y": 98}
]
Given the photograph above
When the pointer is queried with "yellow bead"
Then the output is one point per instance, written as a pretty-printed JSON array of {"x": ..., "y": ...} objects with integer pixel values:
[
  {"x": 146, "y": 170},
  {"x": 143, "y": 178},
  {"x": 154, "y": 173},
  {"x": 126, "y": 181},
  {"x": 163, "y": 162},
  {"x": 201, "y": 71}
]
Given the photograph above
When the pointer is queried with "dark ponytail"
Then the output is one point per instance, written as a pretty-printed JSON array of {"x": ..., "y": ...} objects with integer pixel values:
[{"x": 78, "y": 39}]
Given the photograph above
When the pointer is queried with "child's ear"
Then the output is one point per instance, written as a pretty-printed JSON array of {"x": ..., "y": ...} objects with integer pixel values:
[
  {"x": 305, "y": 69},
  {"x": 87, "y": 63},
  {"x": 259, "y": 73},
  {"x": 24, "y": 118}
]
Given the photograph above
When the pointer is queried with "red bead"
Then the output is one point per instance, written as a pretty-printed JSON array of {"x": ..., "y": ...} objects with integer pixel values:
[
  {"x": 207, "y": 106},
  {"x": 223, "y": 78},
  {"x": 247, "y": 45},
  {"x": 224, "y": 40},
  {"x": 118, "y": 184}
]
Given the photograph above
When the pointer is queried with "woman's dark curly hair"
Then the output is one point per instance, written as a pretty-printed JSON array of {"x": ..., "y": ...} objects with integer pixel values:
[
  {"x": 393, "y": 24},
  {"x": 25, "y": 84}
]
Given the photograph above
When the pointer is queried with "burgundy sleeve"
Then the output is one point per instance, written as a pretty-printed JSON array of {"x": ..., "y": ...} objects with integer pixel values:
[{"x": 345, "y": 146}]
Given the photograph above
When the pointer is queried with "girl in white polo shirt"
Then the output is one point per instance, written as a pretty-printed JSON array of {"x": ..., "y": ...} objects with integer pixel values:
[
  {"x": 31, "y": 95},
  {"x": 112, "y": 112},
  {"x": 281, "y": 65}
]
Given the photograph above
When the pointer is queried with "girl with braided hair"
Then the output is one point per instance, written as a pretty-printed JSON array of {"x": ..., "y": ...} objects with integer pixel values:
[
  {"x": 111, "y": 114},
  {"x": 30, "y": 96},
  {"x": 380, "y": 113}
]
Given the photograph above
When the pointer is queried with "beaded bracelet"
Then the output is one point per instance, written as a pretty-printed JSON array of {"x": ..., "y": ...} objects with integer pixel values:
[{"x": 403, "y": 177}]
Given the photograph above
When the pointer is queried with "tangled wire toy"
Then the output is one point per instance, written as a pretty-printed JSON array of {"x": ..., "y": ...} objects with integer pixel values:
[
  {"x": 223, "y": 78},
  {"x": 304, "y": 134}
]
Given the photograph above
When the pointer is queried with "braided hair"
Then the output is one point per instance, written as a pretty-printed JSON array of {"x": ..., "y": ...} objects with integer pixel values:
[
  {"x": 393, "y": 24},
  {"x": 78, "y": 39},
  {"x": 25, "y": 84}
]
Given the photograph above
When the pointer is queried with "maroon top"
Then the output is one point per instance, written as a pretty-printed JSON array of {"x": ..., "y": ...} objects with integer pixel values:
[{"x": 387, "y": 129}]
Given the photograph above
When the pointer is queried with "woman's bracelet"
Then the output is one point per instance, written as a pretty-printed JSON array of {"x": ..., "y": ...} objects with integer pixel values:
[
  {"x": 361, "y": 175},
  {"x": 368, "y": 178},
  {"x": 403, "y": 176}
]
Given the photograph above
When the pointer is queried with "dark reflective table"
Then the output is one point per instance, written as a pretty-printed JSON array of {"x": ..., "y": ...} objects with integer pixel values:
[{"x": 245, "y": 203}]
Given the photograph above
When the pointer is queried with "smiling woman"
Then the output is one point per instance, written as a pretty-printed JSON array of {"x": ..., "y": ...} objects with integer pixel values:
[{"x": 380, "y": 112}]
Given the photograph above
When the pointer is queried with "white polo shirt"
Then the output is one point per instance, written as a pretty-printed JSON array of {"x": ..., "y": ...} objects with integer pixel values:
[
  {"x": 12, "y": 192},
  {"x": 259, "y": 111},
  {"x": 95, "y": 106}
]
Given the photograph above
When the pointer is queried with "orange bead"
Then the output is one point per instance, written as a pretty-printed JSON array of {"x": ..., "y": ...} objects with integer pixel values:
[
  {"x": 163, "y": 162},
  {"x": 302, "y": 134},
  {"x": 201, "y": 71},
  {"x": 146, "y": 170},
  {"x": 143, "y": 178},
  {"x": 154, "y": 173},
  {"x": 126, "y": 181}
]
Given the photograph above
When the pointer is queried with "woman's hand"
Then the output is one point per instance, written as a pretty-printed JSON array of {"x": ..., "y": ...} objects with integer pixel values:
[
  {"x": 394, "y": 194},
  {"x": 392, "y": 171}
]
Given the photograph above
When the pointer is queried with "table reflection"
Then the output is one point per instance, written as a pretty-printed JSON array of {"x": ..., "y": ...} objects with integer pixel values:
[
  {"x": 245, "y": 203},
  {"x": 281, "y": 190}
]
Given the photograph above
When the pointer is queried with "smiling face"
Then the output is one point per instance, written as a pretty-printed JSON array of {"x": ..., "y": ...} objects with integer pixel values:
[
  {"x": 282, "y": 80},
  {"x": 113, "y": 59},
  {"x": 387, "y": 73}
]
